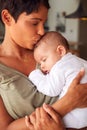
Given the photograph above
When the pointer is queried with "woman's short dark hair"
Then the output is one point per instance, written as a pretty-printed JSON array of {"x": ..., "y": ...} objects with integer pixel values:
[{"x": 16, "y": 7}]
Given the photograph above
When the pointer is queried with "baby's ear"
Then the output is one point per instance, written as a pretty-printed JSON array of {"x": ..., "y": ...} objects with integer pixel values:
[{"x": 61, "y": 50}]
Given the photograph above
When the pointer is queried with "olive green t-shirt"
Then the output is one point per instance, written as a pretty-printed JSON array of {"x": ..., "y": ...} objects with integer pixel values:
[{"x": 19, "y": 95}]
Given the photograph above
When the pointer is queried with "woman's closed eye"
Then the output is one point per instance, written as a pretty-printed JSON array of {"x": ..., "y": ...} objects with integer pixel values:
[{"x": 35, "y": 23}]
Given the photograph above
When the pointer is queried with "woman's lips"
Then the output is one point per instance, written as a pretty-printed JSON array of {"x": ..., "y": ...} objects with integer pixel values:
[{"x": 36, "y": 39}]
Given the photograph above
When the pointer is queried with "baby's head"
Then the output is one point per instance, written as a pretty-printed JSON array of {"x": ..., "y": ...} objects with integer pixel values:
[{"x": 51, "y": 48}]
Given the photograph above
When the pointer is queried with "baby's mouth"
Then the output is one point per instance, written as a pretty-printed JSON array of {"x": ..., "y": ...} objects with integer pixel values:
[{"x": 45, "y": 72}]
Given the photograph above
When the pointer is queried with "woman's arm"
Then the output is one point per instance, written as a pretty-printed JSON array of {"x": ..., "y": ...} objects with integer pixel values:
[
  {"x": 43, "y": 121},
  {"x": 74, "y": 98},
  {"x": 44, "y": 118},
  {"x": 76, "y": 94},
  {"x": 62, "y": 106},
  {"x": 7, "y": 122},
  {"x": 4, "y": 120}
]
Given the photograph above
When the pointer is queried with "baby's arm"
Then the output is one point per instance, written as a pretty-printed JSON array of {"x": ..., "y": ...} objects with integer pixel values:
[
  {"x": 49, "y": 84},
  {"x": 36, "y": 76}
]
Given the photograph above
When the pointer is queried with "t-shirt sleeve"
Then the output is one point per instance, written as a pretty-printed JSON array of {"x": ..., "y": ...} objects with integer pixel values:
[{"x": 19, "y": 95}]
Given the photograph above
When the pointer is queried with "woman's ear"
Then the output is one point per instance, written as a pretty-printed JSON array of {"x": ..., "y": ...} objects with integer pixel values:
[
  {"x": 6, "y": 17},
  {"x": 61, "y": 50}
]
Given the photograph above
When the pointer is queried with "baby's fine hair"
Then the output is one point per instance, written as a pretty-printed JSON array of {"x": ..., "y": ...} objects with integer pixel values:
[
  {"x": 55, "y": 37},
  {"x": 16, "y": 7}
]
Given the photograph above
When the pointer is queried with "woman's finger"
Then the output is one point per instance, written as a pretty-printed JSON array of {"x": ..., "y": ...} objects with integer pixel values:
[
  {"x": 78, "y": 78},
  {"x": 38, "y": 116},
  {"x": 28, "y": 123},
  {"x": 32, "y": 118},
  {"x": 54, "y": 115}
]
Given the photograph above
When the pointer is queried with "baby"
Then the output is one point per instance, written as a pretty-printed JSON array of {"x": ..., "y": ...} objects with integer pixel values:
[{"x": 58, "y": 67}]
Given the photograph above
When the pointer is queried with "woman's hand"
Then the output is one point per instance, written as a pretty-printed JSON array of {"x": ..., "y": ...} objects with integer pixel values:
[
  {"x": 44, "y": 118},
  {"x": 78, "y": 91},
  {"x": 76, "y": 96}
]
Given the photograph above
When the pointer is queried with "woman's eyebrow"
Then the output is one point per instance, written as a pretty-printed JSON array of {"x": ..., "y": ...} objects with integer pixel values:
[
  {"x": 39, "y": 19},
  {"x": 36, "y": 19}
]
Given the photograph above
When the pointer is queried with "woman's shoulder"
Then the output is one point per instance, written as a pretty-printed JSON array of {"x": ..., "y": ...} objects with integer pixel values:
[
  {"x": 9, "y": 76},
  {"x": 6, "y": 72}
]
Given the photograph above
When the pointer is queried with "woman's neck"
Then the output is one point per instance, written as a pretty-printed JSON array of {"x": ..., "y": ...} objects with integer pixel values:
[
  {"x": 13, "y": 50},
  {"x": 17, "y": 58}
]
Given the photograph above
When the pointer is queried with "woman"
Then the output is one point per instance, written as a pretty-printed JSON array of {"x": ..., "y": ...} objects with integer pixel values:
[{"x": 24, "y": 26}]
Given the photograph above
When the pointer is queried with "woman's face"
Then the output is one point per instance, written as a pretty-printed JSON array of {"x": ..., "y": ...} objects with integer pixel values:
[{"x": 29, "y": 28}]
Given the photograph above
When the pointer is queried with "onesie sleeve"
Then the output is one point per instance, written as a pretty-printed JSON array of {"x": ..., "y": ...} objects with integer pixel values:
[{"x": 50, "y": 84}]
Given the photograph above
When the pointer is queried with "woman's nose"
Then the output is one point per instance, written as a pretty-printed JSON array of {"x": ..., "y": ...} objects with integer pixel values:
[{"x": 41, "y": 30}]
